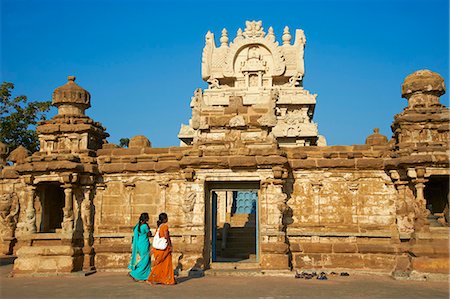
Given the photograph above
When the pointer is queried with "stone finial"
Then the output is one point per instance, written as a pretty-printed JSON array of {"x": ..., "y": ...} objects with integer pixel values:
[
  {"x": 286, "y": 36},
  {"x": 139, "y": 141},
  {"x": 270, "y": 34},
  {"x": 19, "y": 155},
  {"x": 423, "y": 88},
  {"x": 224, "y": 38},
  {"x": 239, "y": 35},
  {"x": 71, "y": 99},
  {"x": 376, "y": 138}
]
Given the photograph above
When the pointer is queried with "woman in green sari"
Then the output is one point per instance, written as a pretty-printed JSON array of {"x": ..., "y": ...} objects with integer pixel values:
[{"x": 141, "y": 246}]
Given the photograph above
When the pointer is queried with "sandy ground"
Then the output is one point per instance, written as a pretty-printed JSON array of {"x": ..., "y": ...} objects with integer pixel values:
[{"x": 118, "y": 285}]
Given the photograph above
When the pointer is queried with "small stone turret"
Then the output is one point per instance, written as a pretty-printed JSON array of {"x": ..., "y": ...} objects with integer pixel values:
[
  {"x": 424, "y": 122},
  {"x": 70, "y": 131},
  {"x": 423, "y": 89},
  {"x": 139, "y": 141},
  {"x": 71, "y": 99},
  {"x": 376, "y": 138}
]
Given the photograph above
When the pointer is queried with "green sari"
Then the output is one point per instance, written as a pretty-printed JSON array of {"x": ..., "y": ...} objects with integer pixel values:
[{"x": 141, "y": 246}]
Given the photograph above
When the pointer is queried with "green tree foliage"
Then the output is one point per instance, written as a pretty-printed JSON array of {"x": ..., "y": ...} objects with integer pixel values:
[
  {"x": 18, "y": 118},
  {"x": 123, "y": 142}
]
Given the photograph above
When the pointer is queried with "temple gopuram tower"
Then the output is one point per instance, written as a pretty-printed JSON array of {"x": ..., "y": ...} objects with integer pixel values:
[{"x": 255, "y": 93}]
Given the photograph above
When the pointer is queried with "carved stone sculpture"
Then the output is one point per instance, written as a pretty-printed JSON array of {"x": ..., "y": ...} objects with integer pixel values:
[
  {"x": 188, "y": 206},
  {"x": 9, "y": 212}
]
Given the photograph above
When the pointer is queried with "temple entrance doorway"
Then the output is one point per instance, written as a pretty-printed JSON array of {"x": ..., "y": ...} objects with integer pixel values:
[
  {"x": 233, "y": 219},
  {"x": 51, "y": 206},
  {"x": 437, "y": 196}
]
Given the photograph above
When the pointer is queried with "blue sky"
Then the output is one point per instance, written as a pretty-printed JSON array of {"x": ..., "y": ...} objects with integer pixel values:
[{"x": 141, "y": 60}]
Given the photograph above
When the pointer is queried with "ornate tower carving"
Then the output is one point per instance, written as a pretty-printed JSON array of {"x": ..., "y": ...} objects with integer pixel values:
[{"x": 266, "y": 78}]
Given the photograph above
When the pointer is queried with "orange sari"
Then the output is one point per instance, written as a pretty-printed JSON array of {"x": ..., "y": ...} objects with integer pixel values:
[{"x": 162, "y": 269}]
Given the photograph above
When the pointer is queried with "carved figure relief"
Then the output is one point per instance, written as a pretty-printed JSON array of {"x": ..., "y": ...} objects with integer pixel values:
[
  {"x": 188, "y": 206},
  {"x": 291, "y": 123},
  {"x": 28, "y": 225},
  {"x": 9, "y": 213},
  {"x": 196, "y": 104},
  {"x": 86, "y": 211}
]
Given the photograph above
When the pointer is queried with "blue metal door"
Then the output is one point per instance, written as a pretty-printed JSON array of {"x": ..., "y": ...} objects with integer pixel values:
[
  {"x": 214, "y": 225},
  {"x": 245, "y": 202}
]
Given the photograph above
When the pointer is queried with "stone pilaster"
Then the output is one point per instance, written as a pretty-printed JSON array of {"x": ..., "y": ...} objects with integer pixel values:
[
  {"x": 87, "y": 218},
  {"x": 422, "y": 212},
  {"x": 28, "y": 224},
  {"x": 129, "y": 187},
  {"x": 316, "y": 187},
  {"x": 353, "y": 188},
  {"x": 273, "y": 247},
  {"x": 68, "y": 217}
]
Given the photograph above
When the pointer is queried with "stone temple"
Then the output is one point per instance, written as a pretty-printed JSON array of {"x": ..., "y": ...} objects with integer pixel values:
[{"x": 252, "y": 185}]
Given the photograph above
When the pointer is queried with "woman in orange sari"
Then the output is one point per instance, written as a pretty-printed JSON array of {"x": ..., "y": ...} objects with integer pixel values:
[{"x": 162, "y": 269}]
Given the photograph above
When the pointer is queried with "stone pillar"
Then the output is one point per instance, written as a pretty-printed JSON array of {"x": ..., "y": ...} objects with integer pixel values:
[
  {"x": 405, "y": 211},
  {"x": 273, "y": 247},
  {"x": 68, "y": 217},
  {"x": 421, "y": 205},
  {"x": 98, "y": 202},
  {"x": 87, "y": 218},
  {"x": 221, "y": 207},
  {"x": 28, "y": 225},
  {"x": 417, "y": 178}
]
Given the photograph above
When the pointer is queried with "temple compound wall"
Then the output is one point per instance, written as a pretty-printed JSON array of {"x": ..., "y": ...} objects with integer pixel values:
[{"x": 252, "y": 185}]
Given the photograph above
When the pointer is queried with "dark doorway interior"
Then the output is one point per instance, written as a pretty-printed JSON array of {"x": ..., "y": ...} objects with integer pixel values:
[
  {"x": 52, "y": 203},
  {"x": 437, "y": 196}
]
